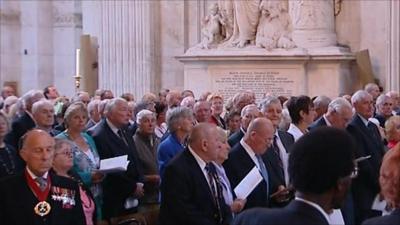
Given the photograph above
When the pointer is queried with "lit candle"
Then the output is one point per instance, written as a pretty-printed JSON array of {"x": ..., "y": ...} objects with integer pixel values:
[{"x": 78, "y": 51}]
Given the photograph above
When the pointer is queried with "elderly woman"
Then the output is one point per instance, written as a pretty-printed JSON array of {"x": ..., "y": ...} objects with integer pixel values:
[
  {"x": 62, "y": 164},
  {"x": 180, "y": 124},
  {"x": 392, "y": 131},
  {"x": 86, "y": 158},
  {"x": 10, "y": 163},
  {"x": 146, "y": 145},
  {"x": 389, "y": 180},
  {"x": 217, "y": 106},
  {"x": 237, "y": 204}
]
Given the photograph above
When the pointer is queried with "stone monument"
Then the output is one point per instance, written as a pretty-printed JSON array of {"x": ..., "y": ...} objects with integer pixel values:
[{"x": 268, "y": 46}]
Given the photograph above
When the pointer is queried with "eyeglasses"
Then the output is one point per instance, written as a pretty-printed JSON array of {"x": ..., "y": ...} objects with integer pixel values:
[{"x": 66, "y": 153}]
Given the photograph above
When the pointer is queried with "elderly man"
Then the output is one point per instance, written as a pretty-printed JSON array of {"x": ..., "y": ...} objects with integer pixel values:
[
  {"x": 373, "y": 90},
  {"x": 249, "y": 112},
  {"x": 396, "y": 101},
  {"x": 321, "y": 168},
  {"x": 25, "y": 122},
  {"x": 202, "y": 111},
  {"x": 122, "y": 189},
  {"x": 43, "y": 114},
  {"x": 278, "y": 153},
  {"x": 94, "y": 115},
  {"x": 338, "y": 115},
  {"x": 248, "y": 154},
  {"x": 37, "y": 195},
  {"x": 7, "y": 91},
  {"x": 384, "y": 108},
  {"x": 173, "y": 99},
  {"x": 82, "y": 96},
  {"x": 321, "y": 105},
  {"x": 190, "y": 189},
  {"x": 369, "y": 144}
]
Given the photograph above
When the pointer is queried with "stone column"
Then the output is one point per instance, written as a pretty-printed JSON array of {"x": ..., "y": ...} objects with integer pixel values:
[
  {"x": 126, "y": 45},
  {"x": 393, "y": 81},
  {"x": 313, "y": 23}
]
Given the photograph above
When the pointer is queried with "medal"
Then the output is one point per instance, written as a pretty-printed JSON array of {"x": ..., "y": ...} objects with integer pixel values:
[{"x": 42, "y": 208}]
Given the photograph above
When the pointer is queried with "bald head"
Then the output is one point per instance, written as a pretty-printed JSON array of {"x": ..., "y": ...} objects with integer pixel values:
[
  {"x": 259, "y": 135},
  {"x": 37, "y": 151},
  {"x": 204, "y": 141}
]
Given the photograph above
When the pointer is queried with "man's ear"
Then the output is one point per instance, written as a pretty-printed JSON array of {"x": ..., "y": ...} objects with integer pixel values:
[
  {"x": 22, "y": 153},
  {"x": 204, "y": 145}
]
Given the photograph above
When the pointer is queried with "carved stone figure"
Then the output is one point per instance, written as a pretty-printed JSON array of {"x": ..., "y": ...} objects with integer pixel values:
[
  {"x": 212, "y": 27},
  {"x": 274, "y": 28}
]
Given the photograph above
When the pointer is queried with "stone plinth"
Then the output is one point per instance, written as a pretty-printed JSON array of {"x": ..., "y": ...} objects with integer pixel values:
[{"x": 326, "y": 71}]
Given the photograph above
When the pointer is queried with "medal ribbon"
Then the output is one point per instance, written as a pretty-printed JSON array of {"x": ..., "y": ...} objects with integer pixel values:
[{"x": 40, "y": 195}]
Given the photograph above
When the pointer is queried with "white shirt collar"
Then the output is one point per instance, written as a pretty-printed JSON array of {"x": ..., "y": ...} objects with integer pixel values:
[
  {"x": 328, "y": 123},
  {"x": 250, "y": 152},
  {"x": 315, "y": 206},
  {"x": 112, "y": 126},
  {"x": 34, "y": 176},
  {"x": 365, "y": 121},
  {"x": 295, "y": 131}
]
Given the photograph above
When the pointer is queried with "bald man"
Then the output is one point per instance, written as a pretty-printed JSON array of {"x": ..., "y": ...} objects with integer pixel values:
[
  {"x": 37, "y": 195},
  {"x": 246, "y": 155},
  {"x": 190, "y": 193}
]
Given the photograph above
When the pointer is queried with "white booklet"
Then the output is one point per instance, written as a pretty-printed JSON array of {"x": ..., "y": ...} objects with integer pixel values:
[
  {"x": 116, "y": 164},
  {"x": 249, "y": 182}
]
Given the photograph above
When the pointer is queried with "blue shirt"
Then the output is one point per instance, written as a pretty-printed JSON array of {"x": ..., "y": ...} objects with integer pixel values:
[{"x": 167, "y": 150}]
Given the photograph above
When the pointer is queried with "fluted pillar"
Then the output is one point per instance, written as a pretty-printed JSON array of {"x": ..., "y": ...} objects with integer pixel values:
[
  {"x": 126, "y": 47},
  {"x": 313, "y": 23}
]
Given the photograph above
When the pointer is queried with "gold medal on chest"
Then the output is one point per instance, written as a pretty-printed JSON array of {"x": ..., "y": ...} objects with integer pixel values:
[{"x": 42, "y": 208}]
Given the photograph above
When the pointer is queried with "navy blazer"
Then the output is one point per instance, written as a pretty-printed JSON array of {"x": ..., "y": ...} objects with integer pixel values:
[
  {"x": 17, "y": 202},
  {"x": 366, "y": 186},
  {"x": 276, "y": 175},
  {"x": 392, "y": 219},
  {"x": 186, "y": 197},
  {"x": 237, "y": 166},
  {"x": 117, "y": 187},
  {"x": 296, "y": 212},
  {"x": 318, "y": 123},
  {"x": 235, "y": 138}
]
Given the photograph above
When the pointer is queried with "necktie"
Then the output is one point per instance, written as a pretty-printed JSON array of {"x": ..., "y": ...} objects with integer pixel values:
[
  {"x": 122, "y": 136},
  {"x": 373, "y": 130},
  {"x": 42, "y": 183},
  {"x": 216, "y": 189},
  {"x": 263, "y": 171},
  {"x": 275, "y": 148}
]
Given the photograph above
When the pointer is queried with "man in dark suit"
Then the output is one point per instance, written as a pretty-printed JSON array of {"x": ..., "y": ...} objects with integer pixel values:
[
  {"x": 120, "y": 190},
  {"x": 276, "y": 157},
  {"x": 369, "y": 143},
  {"x": 248, "y": 113},
  {"x": 246, "y": 155},
  {"x": 37, "y": 195},
  {"x": 339, "y": 114},
  {"x": 25, "y": 122},
  {"x": 190, "y": 191},
  {"x": 321, "y": 168}
]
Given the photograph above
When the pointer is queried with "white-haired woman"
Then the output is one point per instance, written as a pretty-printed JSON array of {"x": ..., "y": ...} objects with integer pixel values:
[{"x": 146, "y": 145}]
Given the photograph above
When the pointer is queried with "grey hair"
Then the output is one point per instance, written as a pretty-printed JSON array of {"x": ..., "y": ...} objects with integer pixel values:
[
  {"x": 338, "y": 104},
  {"x": 142, "y": 114},
  {"x": 40, "y": 104},
  {"x": 62, "y": 141},
  {"x": 267, "y": 101},
  {"x": 93, "y": 104},
  {"x": 369, "y": 87},
  {"x": 29, "y": 98},
  {"x": 72, "y": 109},
  {"x": 112, "y": 104},
  {"x": 175, "y": 115},
  {"x": 247, "y": 108},
  {"x": 382, "y": 99},
  {"x": 321, "y": 101},
  {"x": 359, "y": 96}
]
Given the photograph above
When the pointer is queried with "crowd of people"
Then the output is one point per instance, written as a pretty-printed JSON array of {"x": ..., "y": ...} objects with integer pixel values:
[{"x": 298, "y": 159}]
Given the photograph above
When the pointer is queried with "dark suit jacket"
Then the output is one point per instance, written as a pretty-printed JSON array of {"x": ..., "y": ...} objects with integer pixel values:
[
  {"x": 392, "y": 219},
  {"x": 366, "y": 186},
  {"x": 186, "y": 197},
  {"x": 17, "y": 202},
  {"x": 235, "y": 138},
  {"x": 117, "y": 187},
  {"x": 18, "y": 128},
  {"x": 296, "y": 212},
  {"x": 271, "y": 160},
  {"x": 237, "y": 166},
  {"x": 318, "y": 123}
]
